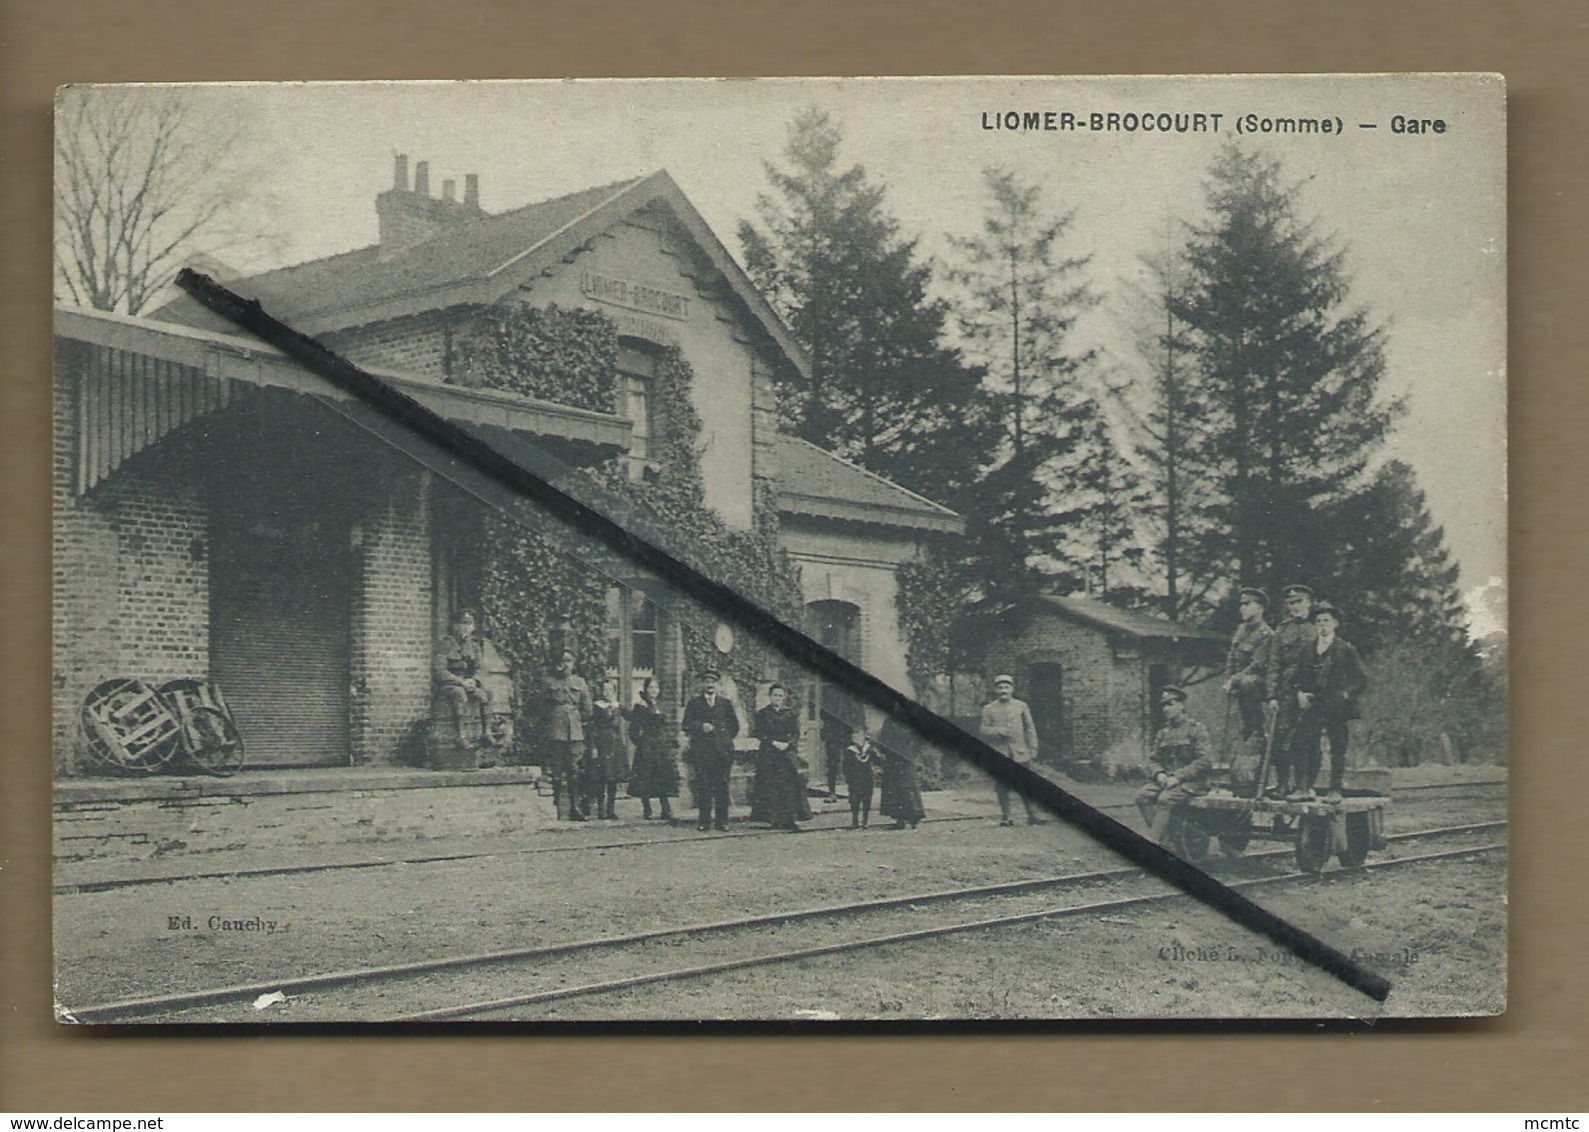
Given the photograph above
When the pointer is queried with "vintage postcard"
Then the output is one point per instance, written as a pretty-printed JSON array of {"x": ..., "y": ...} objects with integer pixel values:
[{"x": 996, "y": 481}]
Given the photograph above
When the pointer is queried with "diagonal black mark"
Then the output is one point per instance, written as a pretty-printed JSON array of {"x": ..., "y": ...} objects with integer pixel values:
[{"x": 732, "y": 605}]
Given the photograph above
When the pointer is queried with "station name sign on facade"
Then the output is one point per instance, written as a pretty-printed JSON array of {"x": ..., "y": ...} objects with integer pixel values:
[{"x": 633, "y": 295}]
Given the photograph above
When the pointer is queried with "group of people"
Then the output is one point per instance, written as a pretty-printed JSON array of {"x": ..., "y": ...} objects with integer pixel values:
[
  {"x": 589, "y": 740},
  {"x": 1292, "y": 687}
]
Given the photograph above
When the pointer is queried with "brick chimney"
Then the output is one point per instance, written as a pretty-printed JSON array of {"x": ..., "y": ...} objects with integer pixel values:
[{"x": 412, "y": 216}]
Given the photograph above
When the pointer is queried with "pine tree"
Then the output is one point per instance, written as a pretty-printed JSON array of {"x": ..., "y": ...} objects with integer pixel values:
[
  {"x": 1022, "y": 297},
  {"x": 883, "y": 389},
  {"x": 1390, "y": 569},
  {"x": 1162, "y": 417},
  {"x": 1022, "y": 302},
  {"x": 1287, "y": 372},
  {"x": 1101, "y": 528}
]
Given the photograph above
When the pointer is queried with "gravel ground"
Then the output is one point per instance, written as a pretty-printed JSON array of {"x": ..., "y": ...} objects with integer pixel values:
[{"x": 153, "y": 939}]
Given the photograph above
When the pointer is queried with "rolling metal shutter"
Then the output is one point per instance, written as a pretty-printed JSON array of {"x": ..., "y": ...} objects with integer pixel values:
[{"x": 281, "y": 601}]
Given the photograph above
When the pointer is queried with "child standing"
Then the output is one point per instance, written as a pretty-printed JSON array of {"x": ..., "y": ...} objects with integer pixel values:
[{"x": 860, "y": 762}]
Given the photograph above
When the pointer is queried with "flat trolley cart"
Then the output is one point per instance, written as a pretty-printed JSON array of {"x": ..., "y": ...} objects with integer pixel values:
[{"x": 1347, "y": 830}]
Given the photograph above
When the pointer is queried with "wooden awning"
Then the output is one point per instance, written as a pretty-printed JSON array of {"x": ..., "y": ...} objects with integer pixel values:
[{"x": 141, "y": 380}]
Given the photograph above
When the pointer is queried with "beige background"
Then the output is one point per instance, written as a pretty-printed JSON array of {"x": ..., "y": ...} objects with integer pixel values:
[{"x": 1529, "y": 1060}]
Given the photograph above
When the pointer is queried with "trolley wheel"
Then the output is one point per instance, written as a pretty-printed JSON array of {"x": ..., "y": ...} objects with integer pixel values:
[
  {"x": 1359, "y": 837},
  {"x": 218, "y": 749},
  {"x": 1186, "y": 839},
  {"x": 1234, "y": 844},
  {"x": 1314, "y": 842}
]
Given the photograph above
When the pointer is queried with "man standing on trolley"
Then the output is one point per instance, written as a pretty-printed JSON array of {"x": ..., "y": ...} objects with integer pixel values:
[
  {"x": 1245, "y": 668},
  {"x": 1288, "y": 656}
]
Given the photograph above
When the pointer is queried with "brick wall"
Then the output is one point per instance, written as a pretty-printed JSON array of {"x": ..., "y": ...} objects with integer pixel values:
[
  {"x": 131, "y": 572},
  {"x": 419, "y": 346},
  {"x": 1102, "y": 693},
  {"x": 392, "y": 621}
]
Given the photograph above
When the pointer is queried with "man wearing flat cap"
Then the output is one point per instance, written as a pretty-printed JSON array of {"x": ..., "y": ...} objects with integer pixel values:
[
  {"x": 710, "y": 725},
  {"x": 1288, "y": 653},
  {"x": 1178, "y": 760},
  {"x": 1007, "y": 727},
  {"x": 1247, "y": 661},
  {"x": 1330, "y": 685}
]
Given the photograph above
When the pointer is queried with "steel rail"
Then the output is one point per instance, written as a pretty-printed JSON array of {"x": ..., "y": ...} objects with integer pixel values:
[
  {"x": 76, "y": 888},
  {"x": 452, "y": 1013},
  {"x": 184, "y": 1000}
]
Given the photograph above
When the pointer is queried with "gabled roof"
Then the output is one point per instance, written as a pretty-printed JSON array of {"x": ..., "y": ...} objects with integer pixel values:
[
  {"x": 480, "y": 261},
  {"x": 816, "y": 483},
  {"x": 1126, "y": 622}
]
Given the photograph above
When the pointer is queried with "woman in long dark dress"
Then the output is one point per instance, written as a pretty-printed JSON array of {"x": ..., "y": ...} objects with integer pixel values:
[
  {"x": 780, "y": 788},
  {"x": 655, "y": 773},
  {"x": 900, "y": 788},
  {"x": 609, "y": 750}
]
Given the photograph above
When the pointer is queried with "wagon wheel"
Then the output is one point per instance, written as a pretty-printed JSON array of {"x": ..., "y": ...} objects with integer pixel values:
[
  {"x": 1234, "y": 843},
  {"x": 218, "y": 748},
  {"x": 1186, "y": 839},
  {"x": 1358, "y": 838},
  {"x": 127, "y": 728},
  {"x": 1313, "y": 844}
]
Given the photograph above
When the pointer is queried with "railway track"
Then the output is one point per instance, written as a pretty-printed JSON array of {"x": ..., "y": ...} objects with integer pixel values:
[
  {"x": 439, "y": 989},
  {"x": 683, "y": 838}
]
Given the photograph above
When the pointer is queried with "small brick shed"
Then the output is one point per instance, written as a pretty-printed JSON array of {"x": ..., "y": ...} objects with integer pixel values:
[{"x": 1092, "y": 672}]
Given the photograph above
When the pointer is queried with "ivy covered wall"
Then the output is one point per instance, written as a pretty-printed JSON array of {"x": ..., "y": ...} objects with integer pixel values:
[{"x": 539, "y": 592}]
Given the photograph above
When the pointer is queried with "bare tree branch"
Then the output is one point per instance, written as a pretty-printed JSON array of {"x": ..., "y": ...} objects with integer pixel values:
[{"x": 143, "y": 178}]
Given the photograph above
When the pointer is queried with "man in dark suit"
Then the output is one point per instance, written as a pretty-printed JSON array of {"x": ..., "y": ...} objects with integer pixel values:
[
  {"x": 710, "y": 725},
  {"x": 1328, "y": 689}
]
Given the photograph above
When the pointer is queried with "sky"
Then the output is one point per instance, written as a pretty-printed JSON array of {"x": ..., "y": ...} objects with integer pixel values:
[{"x": 1421, "y": 216}]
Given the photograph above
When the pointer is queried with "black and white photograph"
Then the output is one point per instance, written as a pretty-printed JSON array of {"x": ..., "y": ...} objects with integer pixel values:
[{"x": 1012, "y": 478}]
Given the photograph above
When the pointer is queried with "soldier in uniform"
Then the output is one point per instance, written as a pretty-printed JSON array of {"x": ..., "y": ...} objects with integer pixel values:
[
  {"x": 463, "y": 699},
  {"x": 1179, "y": 759},
  {"x": 1007, "y": 727},
  {"x": 568, "y": 714},
  {"x": 710, "y": 724},
  {"x": 1245, "y": 665},
  {"x": 1288, "y": 651}
]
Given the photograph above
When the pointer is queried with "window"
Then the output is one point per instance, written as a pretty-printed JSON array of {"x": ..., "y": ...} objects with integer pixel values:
[
  {"x": 633, "y": 639},
  {"x": 637, "y": 371}
]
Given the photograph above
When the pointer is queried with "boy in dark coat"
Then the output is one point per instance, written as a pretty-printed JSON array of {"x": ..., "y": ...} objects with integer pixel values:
[{"x": 860, "y": 771}]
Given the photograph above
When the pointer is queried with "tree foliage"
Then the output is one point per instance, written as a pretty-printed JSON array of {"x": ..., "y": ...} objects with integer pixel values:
[
  {"x": 1389, "y": 566},
  {"x": 1069, "y": 494},
  {"x": 1163, "y": 414},
  {"x": 143, "y": 177},
  {"x": 1286, "y": 369},
  {"x": 883, "y": 390},
  {"x": 1022, "y": 300}
]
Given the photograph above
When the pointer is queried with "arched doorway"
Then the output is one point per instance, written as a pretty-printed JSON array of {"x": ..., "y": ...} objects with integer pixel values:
[{"x": 830, "y": 709}]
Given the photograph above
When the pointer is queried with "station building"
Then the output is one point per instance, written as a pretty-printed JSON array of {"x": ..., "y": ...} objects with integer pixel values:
[
  {"x": 1092, "y": 673},
  {"x": 213, "y": 519}
]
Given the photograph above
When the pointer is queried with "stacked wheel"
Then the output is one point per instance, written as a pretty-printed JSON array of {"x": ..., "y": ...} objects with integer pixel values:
[
  {"x": 129, "y": 728},
  {"x": 210, "y": 739}
]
